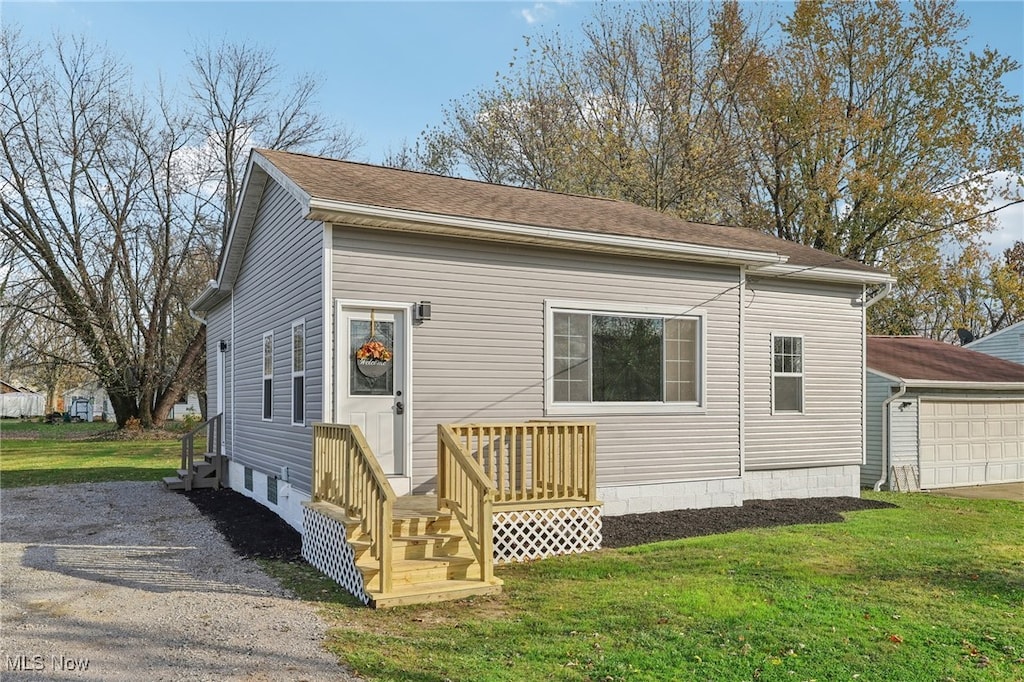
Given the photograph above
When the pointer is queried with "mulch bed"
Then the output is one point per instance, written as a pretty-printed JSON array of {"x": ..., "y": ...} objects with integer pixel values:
[
  {"x": 255, "y": 531},
  {"x": 252, "y": 530},
  {"x": 640, "y": 529}
]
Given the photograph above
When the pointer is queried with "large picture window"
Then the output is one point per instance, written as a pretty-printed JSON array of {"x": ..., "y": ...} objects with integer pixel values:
[
  {"x": 268, "y": 376},
  {"x": 787, "y": 373},
  {"x": 299, "y": 372},
  {"x": 625, "y": 358}
]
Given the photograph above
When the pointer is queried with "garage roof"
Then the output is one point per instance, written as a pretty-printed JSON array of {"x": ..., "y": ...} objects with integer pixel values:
[{"x": 920, "y": 361}]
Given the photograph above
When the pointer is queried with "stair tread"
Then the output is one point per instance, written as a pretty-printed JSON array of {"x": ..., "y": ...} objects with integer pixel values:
[
  {"x": 407, "y": 565},
  {"x": 439, "y": 590},
  {"x": 332, "y": 511},
  {"x": 427, "y": 537}
]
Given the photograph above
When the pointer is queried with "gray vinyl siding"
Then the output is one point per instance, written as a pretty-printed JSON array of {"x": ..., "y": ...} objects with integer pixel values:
[
  {"x": 218, "y": 328},
  {"x": 280, "y": 282},
  {"x": 903, "y": 435},
  {"x": 879, "y": 389},
  {"x": 481, "y": 356},
  {"x": 830, "y": 430},
  {"x": 1008, "y": 345}
]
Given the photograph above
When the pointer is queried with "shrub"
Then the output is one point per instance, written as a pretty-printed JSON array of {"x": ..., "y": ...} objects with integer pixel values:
[{"x": 191, "y": 420}]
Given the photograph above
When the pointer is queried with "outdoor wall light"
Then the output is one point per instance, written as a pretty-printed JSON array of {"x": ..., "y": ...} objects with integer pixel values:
[
  {"x": 223, "y": 346},
  {"x": 905, "y": 404},
  {"x": 421, "y": 311}
]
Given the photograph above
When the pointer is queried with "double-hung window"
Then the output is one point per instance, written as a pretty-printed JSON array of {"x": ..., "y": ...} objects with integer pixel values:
[
  {"x": 607, "y": 358},
  {"x": 787, "y": 373},
  {"x": 268, "y": 376},
  {"x": 299, "y": 373}
]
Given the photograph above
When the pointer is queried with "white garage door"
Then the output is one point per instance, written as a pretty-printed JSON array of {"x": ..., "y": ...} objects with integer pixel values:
[{"x": 968, "y": 442}]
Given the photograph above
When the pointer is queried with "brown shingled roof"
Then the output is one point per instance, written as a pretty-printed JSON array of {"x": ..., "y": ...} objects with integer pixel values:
[
  {"x": 914, "y": 358},
  {"x": 363, "y": 184}
]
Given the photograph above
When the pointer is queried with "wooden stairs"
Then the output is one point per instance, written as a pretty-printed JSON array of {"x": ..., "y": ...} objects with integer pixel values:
[
  {"x": 205, "y": 473},
  {"x": 430, "y": 558}
]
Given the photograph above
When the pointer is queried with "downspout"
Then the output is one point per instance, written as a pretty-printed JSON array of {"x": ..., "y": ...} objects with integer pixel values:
[
  {"x": 743, "y": 378},
  {"x": 885, "y": 435},
  {"x": 886, "y": 290}
]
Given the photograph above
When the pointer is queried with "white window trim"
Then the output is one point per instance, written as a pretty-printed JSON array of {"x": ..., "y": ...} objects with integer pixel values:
[
  {"x": 265, "y": 376},
  {"x": 551, "y": 408},
  {"x": 298, "y": 373},
  {"x": 802, "y": 374}
]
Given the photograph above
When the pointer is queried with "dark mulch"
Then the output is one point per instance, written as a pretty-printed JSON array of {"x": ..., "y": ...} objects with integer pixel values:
[
  {"x": 255, "y": 531},
  {"x": 639, "y": 529},
  {"x": 252, "y": 530}
]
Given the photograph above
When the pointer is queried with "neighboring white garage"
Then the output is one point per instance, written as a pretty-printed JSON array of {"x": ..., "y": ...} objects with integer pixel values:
[
  {"x": 966, "y": 442},
  {"x": 941, "y": 416}
]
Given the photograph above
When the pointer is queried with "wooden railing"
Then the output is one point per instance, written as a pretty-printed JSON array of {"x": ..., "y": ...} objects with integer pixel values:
[
  {"x": 535, "y": 464},
  {"x": 213, "y": 427},
  {"x": 464, "y": 490},
  {"x": 347, "y": 474}
]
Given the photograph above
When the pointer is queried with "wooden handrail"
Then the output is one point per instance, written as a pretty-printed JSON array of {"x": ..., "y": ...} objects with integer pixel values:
[
  {"x": 347, "y": 474},
  {"x": 535, "y": 463},
  {"x": 465, "y": 490},
  {"x": 213, "y": 427}
]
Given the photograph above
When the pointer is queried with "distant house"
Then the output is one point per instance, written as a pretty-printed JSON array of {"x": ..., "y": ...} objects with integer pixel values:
[
  {"x": 20, "y": 401},
  {"x": 587, "y": 357},
  {"x": 940, "y": 415},
  {"x": 90, "y": 402},
  {"x": 1007, "y": 343}
]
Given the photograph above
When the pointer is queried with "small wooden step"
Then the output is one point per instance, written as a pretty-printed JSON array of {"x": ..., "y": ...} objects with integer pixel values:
[
  {"x": 412, "y": 571},
  {"x": 422, "y": 593},
  {"x": 174, "y": 483}
]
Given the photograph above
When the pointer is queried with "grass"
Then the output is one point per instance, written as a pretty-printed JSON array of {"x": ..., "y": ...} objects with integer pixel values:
[
  {"x": 931, "y": 591},
  {"x": 58, "y": 455}
]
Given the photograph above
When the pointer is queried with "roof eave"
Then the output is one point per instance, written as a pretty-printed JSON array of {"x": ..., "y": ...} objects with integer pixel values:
[
  {"x": 951, "y": 385},
  {"x": 826, "y": 274},
  {"x": 210, "y": 297},
  {"x": 432, "y": 223}
]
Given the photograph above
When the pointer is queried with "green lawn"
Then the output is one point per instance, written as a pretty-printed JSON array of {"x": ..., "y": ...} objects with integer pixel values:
[
  {"x": 56, "y": 457},
  {"x": 931, "y": 591}
]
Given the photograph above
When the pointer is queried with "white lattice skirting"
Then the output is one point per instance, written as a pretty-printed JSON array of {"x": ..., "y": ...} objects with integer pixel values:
[
  {"x": 325, "y": 546},
  {"x": 538, "y": 533}
]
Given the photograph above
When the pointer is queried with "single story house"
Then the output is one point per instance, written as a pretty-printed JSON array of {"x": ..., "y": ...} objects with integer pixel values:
[
  {"x": 88, "y": 402},
  {"x": 569, "y": 356},
  {"x": 941, "y": 416},
  {"x": 1007, "y": 343}
]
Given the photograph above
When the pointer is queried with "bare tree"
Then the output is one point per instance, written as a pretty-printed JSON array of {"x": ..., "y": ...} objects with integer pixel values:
[
  {"x": 118, "y": 202},
  {"x": 240, "y": 102}
]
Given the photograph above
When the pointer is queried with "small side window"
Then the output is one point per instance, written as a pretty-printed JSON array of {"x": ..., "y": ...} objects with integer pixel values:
[
  {"x": 268, "y": 376},
  {"x": 787, "y": 373},
  {"x": 299, "y": 373}
]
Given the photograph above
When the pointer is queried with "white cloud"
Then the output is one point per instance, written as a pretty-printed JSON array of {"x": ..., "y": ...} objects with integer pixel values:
[
  {"x": 539, "y": 12},
  {"x": 1009, "y": 221}
]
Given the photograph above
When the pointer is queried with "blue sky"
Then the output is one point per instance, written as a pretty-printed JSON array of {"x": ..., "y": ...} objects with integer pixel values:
[{"x": 386, "y": 68}]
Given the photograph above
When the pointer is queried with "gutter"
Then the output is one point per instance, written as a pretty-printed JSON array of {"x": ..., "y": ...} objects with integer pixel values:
[
  {"x": 885, "y": 435},
  {"x": 886, "y": 290}
]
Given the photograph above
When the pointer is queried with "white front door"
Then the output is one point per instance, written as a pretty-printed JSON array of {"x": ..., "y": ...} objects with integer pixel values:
[{"x": 372, "y": 391}]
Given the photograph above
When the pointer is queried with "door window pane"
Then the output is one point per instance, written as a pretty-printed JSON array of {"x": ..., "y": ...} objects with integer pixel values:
[{"x": 363, "y": 381}]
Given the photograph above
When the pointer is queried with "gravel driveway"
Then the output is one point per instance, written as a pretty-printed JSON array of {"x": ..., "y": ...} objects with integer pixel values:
[{"x": 128, "y": 581}]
